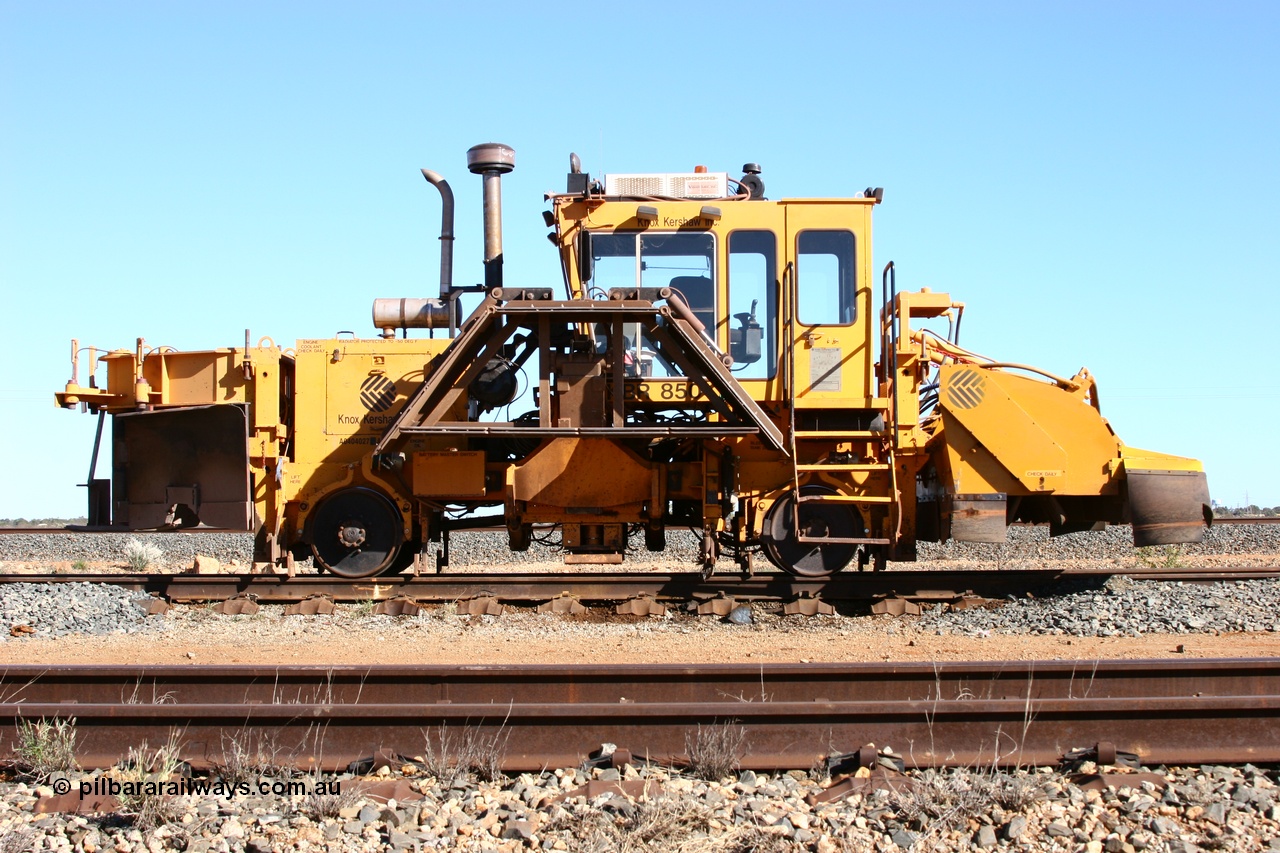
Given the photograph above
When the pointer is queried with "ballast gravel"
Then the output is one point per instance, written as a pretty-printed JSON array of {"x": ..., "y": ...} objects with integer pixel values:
[
  {"x": 1124, "y": 608},
  {"x": 58, "y": 610},
  {"x": 652, "y": 808},
  {"x": 1025, "y": 547},
  {"x": 1121, "y": 608},
  {"x": 1197, "y": 809},
  {"x": 109, "y": 549}
]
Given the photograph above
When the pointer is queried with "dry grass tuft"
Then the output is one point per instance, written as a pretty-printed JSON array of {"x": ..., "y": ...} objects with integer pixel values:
[
  {"x": 160, "y": 765},
  {"x": 45, "y": 747},
  {"x": 1168, "y": 557},
  {"x": 663, "y": 824},
  {"x": 715, "y": 751},
  {"x": 667, "y": 825},
  {"x": 248, "y": 757},
  {"x": 17, "y": 840},
  {"x": 318, "y": 806},
  {"x": 945, "y": 800},
  {"x": 452, "y": 757},
  {"x": 142, "y": 555}
]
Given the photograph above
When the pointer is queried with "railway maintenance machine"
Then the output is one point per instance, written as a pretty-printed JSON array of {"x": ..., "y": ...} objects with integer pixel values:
[{"x": 716, "y": 360}]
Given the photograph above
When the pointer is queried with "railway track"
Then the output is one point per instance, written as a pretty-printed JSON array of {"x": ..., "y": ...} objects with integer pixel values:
[
  {"x": 83, "y": 529},
  {"x": 1248, "y": 520},
  {"x": 971, "y": 714},
  {"x": 196, "y": 531},
  {"x": 916, "y": 586}
]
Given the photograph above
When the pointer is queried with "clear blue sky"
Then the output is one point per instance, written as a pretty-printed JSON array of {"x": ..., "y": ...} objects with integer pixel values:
[{"x": 1097, "y": 181}]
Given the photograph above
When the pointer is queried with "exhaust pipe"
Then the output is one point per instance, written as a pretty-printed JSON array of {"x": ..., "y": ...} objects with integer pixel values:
[
  {"x": 446, "y": 232},
  {"x": 392, "y": 314},
  {"x": 491, "y": 161}
]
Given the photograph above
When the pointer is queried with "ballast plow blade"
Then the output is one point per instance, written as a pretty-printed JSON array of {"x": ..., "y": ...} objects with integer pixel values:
[
  {"x": 1168, "y": 498},
  {"x": 1041, "y": 451}
]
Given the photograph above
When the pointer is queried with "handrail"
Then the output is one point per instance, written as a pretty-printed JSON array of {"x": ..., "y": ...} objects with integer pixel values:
[
  {"x": 889, "y": 358},
  {"x": 790, "y": 297},
  {"x": 789, "y": 303},
  {"x": 889, "y": 337}
]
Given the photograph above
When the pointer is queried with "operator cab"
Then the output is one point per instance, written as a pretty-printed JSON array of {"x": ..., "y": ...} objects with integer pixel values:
[{"x": 770, "y": 281}]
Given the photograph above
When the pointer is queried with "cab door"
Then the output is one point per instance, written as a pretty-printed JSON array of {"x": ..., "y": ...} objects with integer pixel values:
[{"x": 826, "y": 312}]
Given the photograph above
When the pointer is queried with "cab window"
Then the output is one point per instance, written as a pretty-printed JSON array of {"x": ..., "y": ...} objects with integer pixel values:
[
  {"x": 683, "y": 262},
  {"x": 753, "y": 304},
  {"x": 825, "y": 282}
]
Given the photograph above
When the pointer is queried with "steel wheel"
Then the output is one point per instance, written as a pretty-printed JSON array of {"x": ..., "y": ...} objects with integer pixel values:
[
  {"x": 808, "y": 559},
  {"x": 356, "y": 533}
]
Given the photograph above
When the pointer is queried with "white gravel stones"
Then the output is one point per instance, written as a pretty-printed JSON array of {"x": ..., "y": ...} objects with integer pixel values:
[
  {"x": 1122, "y": 608},
  {"x": 1026, "y": 547},
  {"x": 1033, "y": 545},
  {"x": 1201, "y": 808},
  {"x": 57, "y": 610},
  {"x": 1209, "y": 808},
  {"x": 178, "y": 549},
  {"x": 1125, "y": 608}
]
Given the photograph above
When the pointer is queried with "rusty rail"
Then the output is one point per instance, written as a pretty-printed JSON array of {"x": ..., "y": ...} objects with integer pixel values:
[
  {"x": 1204, "y": 711},
  {"x": 196, "y": 531},
  {"x": 84, "y": 528}
]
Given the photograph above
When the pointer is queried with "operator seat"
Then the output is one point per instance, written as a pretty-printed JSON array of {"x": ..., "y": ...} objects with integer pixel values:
[{"x": 699, "y": 293}]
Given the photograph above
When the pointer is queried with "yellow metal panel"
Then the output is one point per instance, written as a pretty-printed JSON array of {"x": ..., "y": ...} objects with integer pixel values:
[
  {"x": 349, "y": 390},
  {"x": 193, "y": 378},
  {"x": 364, "y": 395},
  {"x": 1047, "y": 438},
  {"x": 121, "y": 373},
  {"x": 979, "y": 401},
  {"x": 968, "y": 466},
  {"x": 266, "y": 427},
  {"x": 922, "y": 303},
  {"x": 448, "y": 473},
  {"x": 1149, "y": 460},
  {"x": 582, "y": 472}
]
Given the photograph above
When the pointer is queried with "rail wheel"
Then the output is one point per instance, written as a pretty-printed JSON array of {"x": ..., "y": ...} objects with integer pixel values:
[
  {"x": 817, "y": 521},
  {"x": 356, "y": 533}
]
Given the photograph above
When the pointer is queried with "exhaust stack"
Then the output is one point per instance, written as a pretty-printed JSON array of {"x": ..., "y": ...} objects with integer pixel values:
[
  {"x": 446, "y": 232},
  {"x": 491, "y": 161},
  {"x": 392, "y": 314}
]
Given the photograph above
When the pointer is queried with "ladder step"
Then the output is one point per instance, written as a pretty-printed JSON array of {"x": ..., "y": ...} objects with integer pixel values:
[
  {"x": 828, "y": 434},
  {"x": 832, "y": 540},
  {"x": 845, "y": 499},
  {"x": 854, "y": 466}
]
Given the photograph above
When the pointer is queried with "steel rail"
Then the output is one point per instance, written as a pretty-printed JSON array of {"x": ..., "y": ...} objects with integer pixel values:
[
  {"x": 496, "y": 527},
  {"x": 1009, "y": 713},
  {"x": 120, "y": 531},
  {"x": 194, "y": 531},
  {"x": 1273, "y": 519},
  {"x": 587, "y": 587},
  {"x": 923, "y": 586}
]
